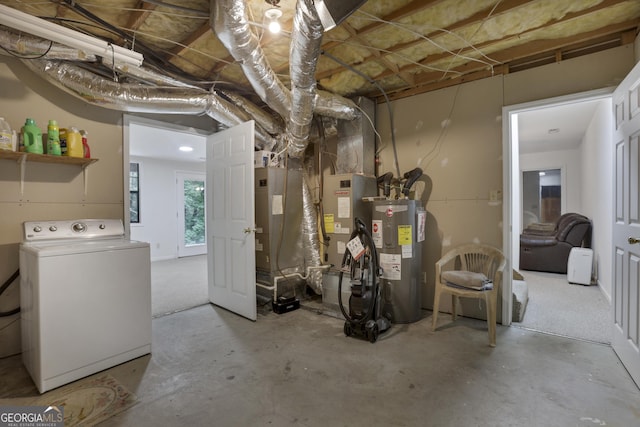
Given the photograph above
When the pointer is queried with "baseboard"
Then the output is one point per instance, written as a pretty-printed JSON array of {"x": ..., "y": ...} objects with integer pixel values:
[{"x": 606, "y": 295}]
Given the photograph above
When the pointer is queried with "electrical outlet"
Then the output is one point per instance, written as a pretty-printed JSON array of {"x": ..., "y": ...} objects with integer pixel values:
[{"x": 495, "y": 195}]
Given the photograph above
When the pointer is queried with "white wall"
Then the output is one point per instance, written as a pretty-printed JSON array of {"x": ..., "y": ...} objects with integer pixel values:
[
  {"x": 597, "y": 185},
  {"x": 159, "y": 207}
]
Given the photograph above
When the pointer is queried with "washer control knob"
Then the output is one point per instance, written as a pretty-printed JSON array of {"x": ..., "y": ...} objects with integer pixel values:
[
  {"x": 37, "y": 229},
  {"x": 53, "y": 228},
  {"x": 78, "y": 227}
]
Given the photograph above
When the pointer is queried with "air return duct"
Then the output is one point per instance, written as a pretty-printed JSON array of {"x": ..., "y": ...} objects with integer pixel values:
[{"x": 333, "y": 12}]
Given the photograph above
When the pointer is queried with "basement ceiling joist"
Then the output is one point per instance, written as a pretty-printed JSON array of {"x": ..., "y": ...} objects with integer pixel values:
[{"x": 405, "y": 46}]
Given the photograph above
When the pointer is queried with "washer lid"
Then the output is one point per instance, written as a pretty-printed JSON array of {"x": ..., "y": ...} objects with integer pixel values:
[{"x": 76, "y": 246}]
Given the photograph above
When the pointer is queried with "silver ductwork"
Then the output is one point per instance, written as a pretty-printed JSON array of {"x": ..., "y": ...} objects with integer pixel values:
[
  {"x": 30, "y": 46},
  {"x": 305, "y": 50},
  {"x": 310, "y": 241},
  {"x": 229, "y": 22},
  {"x": 273, "y": 125},
  {"x": 333, "y": 12},
  {"x": 105, "y": 93}
]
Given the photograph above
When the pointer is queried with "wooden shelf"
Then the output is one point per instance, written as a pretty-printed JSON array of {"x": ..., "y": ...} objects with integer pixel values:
[
  {"x": 44, "y": 158},
  {"x": 22, "y": 158}
]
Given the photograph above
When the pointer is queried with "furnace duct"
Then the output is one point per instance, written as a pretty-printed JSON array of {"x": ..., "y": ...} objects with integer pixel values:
[
  {"x": 230, "y": 23},
  {"x": 273, "y": 125},
  {"x": 311, "y": 243},
  {"x": 305, "y": 50},
  {"x": 106, "y": 93}
]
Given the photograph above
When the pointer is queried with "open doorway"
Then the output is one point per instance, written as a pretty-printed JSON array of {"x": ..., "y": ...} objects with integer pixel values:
[
  {"x": 169, "y": 192},
  {"x": 559, "y": 162},
  {"x": 541, "y": 196}
]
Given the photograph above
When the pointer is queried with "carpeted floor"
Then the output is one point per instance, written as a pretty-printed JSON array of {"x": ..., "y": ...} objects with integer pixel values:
[
  {"x": 178, "y": 284},
  {"x": 555, "y": 306}
]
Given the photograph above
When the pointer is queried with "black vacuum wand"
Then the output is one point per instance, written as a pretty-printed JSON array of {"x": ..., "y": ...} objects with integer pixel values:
[{"x": 364, "y": 317}]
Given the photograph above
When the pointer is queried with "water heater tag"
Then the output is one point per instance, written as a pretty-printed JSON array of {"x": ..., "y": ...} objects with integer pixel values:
[
  {"x": 376, "y": 232},
  {"x": 355, "y": 247},
  {"x": 405, "y": 235}
]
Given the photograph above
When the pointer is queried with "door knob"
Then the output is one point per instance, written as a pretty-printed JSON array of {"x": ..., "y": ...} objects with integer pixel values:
[
  {"x": 633, "y": 240},
  {"x": 249, "y": 230}
]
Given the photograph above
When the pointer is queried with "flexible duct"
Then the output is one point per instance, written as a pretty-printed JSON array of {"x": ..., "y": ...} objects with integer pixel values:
[
  {"x": 273, "y": 125},
  {"x": 305, "y": 50},
  {"x": 229, "y": 22},
  {"x": 105, "y": 93},
  {"x": 311, "y": 243},
  {"x": 30, "y": 46}
]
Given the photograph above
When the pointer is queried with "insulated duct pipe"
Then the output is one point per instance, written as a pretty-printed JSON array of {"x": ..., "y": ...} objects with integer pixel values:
[
  {"x": 143, "y": 99},
  {"x": 306, "y": 39},
  {"x": 171, "y": 99},
  {"x": 273, "y": 125},
  {"x": 229, "y": 22},
  {"x": 311, "y": 243}
]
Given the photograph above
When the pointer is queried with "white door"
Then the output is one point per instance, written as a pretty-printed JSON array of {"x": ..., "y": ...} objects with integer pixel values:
[
  {"x": 192, "y": 234},
  {"x": 231, "y": 220},
  {"x": 626, "y": 223}
]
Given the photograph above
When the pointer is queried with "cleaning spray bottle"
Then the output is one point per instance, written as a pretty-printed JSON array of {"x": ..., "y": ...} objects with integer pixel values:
[
  {"x": 85, "y": 145},
  {"x": 53, "y": 138}
]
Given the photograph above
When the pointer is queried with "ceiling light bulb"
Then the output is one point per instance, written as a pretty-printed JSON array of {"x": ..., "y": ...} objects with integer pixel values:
[
  {"x": 273, "y": 15},
  {"x": 186, "y": 149},
  {"x": 274, "y": 27}
]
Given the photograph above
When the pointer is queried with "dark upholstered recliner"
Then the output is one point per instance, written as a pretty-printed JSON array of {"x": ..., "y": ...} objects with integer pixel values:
[{"x": 546, "y": 247}]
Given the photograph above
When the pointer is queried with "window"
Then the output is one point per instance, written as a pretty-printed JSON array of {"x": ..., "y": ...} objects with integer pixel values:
[{"x": 134, "y": 193}]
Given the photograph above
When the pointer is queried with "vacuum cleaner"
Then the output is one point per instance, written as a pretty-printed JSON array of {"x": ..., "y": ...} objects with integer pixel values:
[{"x": 364, "y": 316}]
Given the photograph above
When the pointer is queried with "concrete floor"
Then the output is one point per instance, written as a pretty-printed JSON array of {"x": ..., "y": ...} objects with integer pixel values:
[{"x": 211, "y": 367}]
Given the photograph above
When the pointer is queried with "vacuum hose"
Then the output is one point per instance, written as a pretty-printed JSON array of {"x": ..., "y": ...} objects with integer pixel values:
[{"x": 362, "y": 232}]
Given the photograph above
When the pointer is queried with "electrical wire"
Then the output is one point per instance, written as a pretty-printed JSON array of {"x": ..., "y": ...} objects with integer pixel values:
[
  {"x": 392, "y": 53},
  {"x": 200, "y": 14},
  {"x": 16, "y": 55},
  {"x": 430, "y": 40},
  {"x": 476, "y": 32},
  {"x": 388, "y": 102},
  {"x": 436, "y": 148},
  {"x": 3, "y": 288}
]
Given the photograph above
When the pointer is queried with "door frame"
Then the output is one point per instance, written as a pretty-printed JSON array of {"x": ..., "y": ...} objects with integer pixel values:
[
  {"x": 511, "y": 192},
  {"x": 181, "y": 176},
  {"x": 127, "y": 121}
]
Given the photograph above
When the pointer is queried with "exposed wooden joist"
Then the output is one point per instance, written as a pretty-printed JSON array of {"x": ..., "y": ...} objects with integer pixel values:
[
  {"x": 204, "y": 29},
  {"x": 521, "y": 57},
  {"x": 503, "y": 7},
  {"x": 406, "y": 10},
  {"x": 137, "y": 18}
]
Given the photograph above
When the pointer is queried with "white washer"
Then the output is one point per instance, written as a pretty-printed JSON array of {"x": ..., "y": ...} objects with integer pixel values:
[{"x": 85, "y": 298}]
